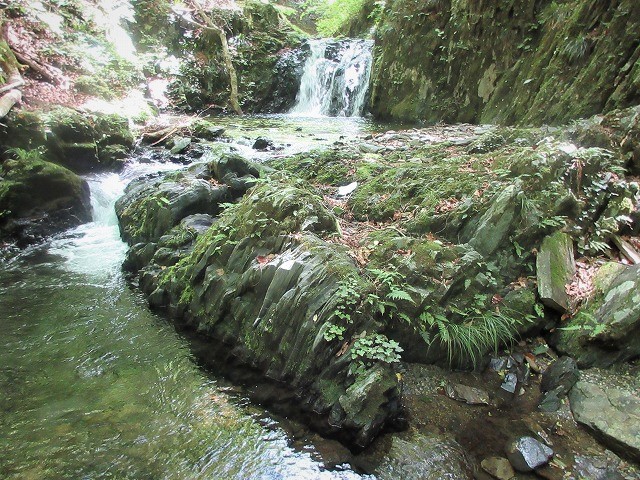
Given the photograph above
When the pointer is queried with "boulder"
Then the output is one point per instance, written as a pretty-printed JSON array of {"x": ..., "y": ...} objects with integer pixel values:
[
  {"x": 151, "y": 207},
  {"x": 263, "y": 143},
  {"x": 206, "y": 130},
  {"x": 179, "y": 144},
  {"x": 235, "y": 171},
  {"x": 526, "y": 454},
  {"x": 39, "y": 198},
  {"x": 421, "y": 457},
  {"x": 560, "y": 376},
  {"x": 611, "y": 413},
  {"x": 86, "y": 142},
  {"x": 262, "y": 284},
  {"x": 606, "y": 329},
  {"x": 555, "y": 267},
  {"x": 495, "y": 226}
]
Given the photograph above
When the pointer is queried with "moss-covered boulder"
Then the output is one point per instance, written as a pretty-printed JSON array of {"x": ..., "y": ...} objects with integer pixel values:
[
  {"x": 607, "y": 328},
  {"x": 88, "y": 142},
  {"x": 264, "y": 283},
  {"x": 38, "y": 198},
  {"x": 152, "y": 206},
  {"x": 555, "y": 268},
  {"x": 82, "y": 142}
]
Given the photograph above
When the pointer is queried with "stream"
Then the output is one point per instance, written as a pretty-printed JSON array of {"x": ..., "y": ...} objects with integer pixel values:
[{"x": 94, "y": 385}]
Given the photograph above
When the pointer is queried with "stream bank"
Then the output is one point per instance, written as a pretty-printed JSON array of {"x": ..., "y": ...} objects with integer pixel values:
[{"x": 295, "y": 243}]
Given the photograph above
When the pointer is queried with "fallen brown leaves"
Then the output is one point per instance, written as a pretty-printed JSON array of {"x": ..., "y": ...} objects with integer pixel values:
[{"x": 582, "y": 285}]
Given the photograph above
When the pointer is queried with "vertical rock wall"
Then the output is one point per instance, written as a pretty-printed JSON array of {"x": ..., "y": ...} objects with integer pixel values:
[{"x": 505, "y": 61}]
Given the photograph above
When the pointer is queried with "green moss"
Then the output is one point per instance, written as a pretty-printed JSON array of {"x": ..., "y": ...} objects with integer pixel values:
[
  {"x": 528, "y": 67},
  {"x": 30, "y": 182}
]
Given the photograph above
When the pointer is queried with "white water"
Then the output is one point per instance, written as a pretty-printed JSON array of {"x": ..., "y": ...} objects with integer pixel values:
[
  {"x": 95, "y": 248},
  {"x": 335, "y": 86}
]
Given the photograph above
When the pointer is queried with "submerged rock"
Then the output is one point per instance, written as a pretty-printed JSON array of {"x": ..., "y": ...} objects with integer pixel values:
[
  {"x": 421, "y": 457},
  {"x": 498, "y": 467},
  {"x": 464, "y": 393}
]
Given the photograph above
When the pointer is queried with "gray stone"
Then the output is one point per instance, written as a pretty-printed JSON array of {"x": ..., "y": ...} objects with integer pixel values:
[
  {"x": 527, "y": 454},
  {"x": 419, "y": 457},
  {"x": 369, "y": 148},
  {"x": 601, "y": 467},
  {"x": 555, "y": 267},
  {"x": 560, "y": 376},
  {"x": 180, "y": 144},
  {"x": 612, "y": 414},
  {"x": 498, "y": 467},
  {"x": 464, "y": 393}
]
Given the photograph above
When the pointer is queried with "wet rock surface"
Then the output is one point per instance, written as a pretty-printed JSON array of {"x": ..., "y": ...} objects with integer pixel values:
[
  {"x": 415, "y": 456},
  {"x": 612, "y": 413},
  {"x": 526, "y": 454},
  {"x": 261, "y": 282}
]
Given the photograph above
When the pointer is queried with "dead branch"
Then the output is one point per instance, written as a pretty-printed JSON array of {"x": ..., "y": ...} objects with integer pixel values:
[
  {"x": 8, "y": 100},
  {"x": 11, "y": 86},
  {"x": 48, "y": 72}
]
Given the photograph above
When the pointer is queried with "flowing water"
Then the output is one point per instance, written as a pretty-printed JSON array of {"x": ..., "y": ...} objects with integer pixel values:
[
  {"x": 335, "y": 79},
  {"x": 93, "y": 385}
]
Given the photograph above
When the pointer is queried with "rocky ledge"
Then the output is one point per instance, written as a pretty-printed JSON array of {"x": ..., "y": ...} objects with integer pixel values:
[
  {"x": 264, "y": 283},
  {"x": 443, "y": 245}
]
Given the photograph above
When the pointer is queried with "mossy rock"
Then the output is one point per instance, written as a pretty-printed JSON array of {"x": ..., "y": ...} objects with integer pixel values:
[
  {"x": 606, "y": 329},
  {"x": 23, "y": 129},
  {"x": 39, "y": 198}
]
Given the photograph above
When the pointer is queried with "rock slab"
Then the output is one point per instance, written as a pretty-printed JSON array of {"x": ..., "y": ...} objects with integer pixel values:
[
  {"x": 555, "y": 268},
  {"x": 612, "y": 414}
]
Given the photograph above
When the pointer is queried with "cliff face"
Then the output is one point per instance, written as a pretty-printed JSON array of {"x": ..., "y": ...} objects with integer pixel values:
[{"x": 505, "y": 61}]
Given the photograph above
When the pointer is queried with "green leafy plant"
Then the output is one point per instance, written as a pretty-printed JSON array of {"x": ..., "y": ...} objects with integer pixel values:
[
  {"x": 24, "y": 155},
  {"x": 389, "y": 289},
  {"x": 373, "y": 348},
  {"x": 334, "y": 331}
]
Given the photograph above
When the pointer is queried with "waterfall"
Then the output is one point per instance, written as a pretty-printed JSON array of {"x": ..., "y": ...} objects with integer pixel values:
[{"x": 335, "y": 79}]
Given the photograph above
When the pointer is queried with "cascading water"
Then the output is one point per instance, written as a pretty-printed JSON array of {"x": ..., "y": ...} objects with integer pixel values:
[{"x": 335, "y": 79}]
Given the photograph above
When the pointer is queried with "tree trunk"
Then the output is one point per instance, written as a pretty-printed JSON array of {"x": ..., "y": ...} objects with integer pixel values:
[
  {"x": 233, "y": 76},
  {"x": 208, "y": 23},
  {"x": 9, "y": 65}
]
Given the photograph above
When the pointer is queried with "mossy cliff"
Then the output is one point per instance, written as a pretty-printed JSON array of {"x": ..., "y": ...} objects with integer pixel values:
[{"x": 504, "y": 61}]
